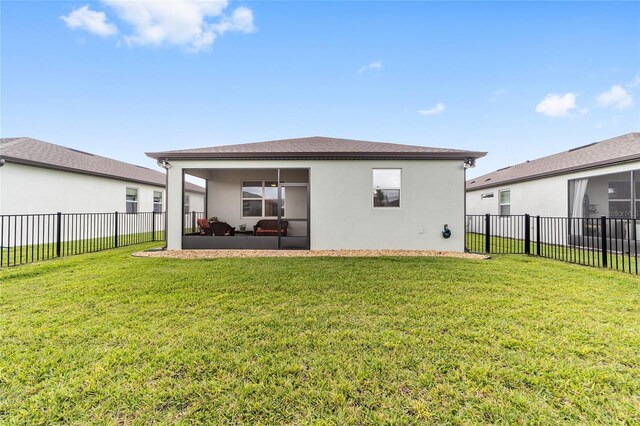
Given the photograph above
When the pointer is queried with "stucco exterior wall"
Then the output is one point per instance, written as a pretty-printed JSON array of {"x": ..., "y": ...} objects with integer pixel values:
[
  {"x": 541, "y": 197},
  {"x": 342, "y": 212},
  {"x": 29, "y": 189}
]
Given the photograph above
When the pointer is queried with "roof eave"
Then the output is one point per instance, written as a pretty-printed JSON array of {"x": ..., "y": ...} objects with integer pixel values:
[
  {"x": 22, "y": 161},
  {"x": 462, "y": 155}
]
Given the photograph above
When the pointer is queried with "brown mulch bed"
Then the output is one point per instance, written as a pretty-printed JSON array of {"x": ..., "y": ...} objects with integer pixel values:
[{"x": 218, "y": 254}]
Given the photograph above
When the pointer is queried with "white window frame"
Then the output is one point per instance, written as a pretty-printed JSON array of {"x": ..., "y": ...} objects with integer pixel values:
[
  {"x": 134, "y": 203},
  {"x": 262, "y": 198},
  {"x": 374, "y": 188},
  {"x": 501, "y": 204},
  {"x": 158, "y": 203}
]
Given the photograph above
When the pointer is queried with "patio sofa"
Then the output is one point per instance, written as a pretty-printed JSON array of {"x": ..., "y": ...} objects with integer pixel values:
[{"x": 269, "y": 227}]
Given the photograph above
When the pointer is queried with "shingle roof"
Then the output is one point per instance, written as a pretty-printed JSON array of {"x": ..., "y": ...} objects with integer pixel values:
[
  {"x": 616, "y": 150},
  {"x": 317, "y": 147},
  {"x": 43, "y": 154}
]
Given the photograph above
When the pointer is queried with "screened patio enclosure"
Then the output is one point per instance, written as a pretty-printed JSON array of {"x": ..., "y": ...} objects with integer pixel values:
[
  {"x": 265, "y": 209},
  {"x": 615, "y": 196}
]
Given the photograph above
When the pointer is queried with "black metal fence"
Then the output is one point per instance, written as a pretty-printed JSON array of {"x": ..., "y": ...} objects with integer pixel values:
[
  {"x": 30, "y": 238},
  {"x": 601, "y": 242}
]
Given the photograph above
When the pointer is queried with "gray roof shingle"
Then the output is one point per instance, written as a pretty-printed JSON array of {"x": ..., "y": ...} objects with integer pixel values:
[
  {"x": 620, "y": 149},
  {"x": 317, "y": 147},
  {"x": 43, "y": 154}
]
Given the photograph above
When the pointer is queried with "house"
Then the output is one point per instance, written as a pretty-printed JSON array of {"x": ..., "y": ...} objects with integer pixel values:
[
  {"x": 40, "y": 177},
  {"x": 323, "y": 193},
  {"x": 583, "y": 183}
]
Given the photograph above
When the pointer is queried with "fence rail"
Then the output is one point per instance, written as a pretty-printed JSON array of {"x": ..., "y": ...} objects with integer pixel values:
[
  {"x": 601, "y": 242},
  {"x": 30, "y": 238}
]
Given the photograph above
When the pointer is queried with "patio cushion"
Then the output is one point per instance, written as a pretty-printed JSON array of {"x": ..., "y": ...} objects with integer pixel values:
[{"x": 270, "y": 227}]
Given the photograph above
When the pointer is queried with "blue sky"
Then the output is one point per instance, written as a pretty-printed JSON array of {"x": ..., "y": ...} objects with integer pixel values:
[{"x": 520, "y": 80}]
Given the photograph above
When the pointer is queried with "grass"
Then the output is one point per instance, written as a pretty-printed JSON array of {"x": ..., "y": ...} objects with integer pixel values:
[
  {"x": 35, "y": 252},
  {"x": 108, "y": 338},
  {"x": 625, "y": 262}
]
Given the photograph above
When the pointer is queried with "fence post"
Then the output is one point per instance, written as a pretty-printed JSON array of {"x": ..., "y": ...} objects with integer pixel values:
[
  {"x": 58, "y": 233},
  {"x": 527, "y": 234},
  {"x": 538, "y": 248},
  {"x": 153, "y": 226},
  {"x": 603, "y": 233},
  {"x": 193, "y": 221},
  {"x": 487, "y": 233},
  {"x": 115, "y": 239}
]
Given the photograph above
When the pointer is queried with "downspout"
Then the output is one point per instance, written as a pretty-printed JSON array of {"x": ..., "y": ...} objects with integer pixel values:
[{"x": 468, "y": 163}]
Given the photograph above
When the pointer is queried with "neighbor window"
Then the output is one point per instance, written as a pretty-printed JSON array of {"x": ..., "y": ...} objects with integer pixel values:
[
  {"x": 505, "y": 202},
  {"x": 620, "y": 199},
  {"x": 187, "y": 208},
  {"x": 260, "y": 198},
  {"x": 157, "y": 201},
  {"x": 386, "y": 187},
  {"x": 132, "y": 200}
]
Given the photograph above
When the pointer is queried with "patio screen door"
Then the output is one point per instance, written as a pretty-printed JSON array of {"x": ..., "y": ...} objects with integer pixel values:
[{"x": 296, "y": 212}]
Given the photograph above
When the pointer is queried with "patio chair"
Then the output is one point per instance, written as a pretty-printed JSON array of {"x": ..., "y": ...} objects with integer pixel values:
[
  {"x": 221, "y": 229},
  {"x": 205, "y": 229}
]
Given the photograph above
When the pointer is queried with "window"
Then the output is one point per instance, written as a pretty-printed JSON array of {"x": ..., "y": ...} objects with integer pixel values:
[
  {"x": 487, "y": 195},
  {"x": 386, "y": 187},
  {"x": 505, "y": 202},
  {"x": 620, "y": 199},
  {"x": 260, "y": 199},
  {"x": 157, "y": 201},
  {"x": 187, "y": 208},
  {"x": 132, "y": 200}
]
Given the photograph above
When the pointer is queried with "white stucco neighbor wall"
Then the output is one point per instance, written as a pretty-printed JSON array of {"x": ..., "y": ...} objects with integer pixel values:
[
  {"x": 29, "y": 189},
  {"x": 541, "y": 197},
  {"x": 342, "y": 212}
]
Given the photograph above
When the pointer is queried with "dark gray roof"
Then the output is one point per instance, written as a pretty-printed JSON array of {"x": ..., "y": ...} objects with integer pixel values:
[
  {"x": 34, "y": 152},
  {"x": 621, "y": 149},
  {"x": 317, "y": 147}
]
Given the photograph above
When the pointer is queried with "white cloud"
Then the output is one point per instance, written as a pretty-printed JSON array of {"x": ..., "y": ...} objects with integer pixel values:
[
  {"x": 241, "y": 21},
  {"x": 615, "y": 97},
  {"x": 374, "y": 66},
  {"x": 89, "y": 20},
  {"x": 497, "y": 94},
  {"x": 193, "y": 24},
  {"x": 635, "y": 82},
  {"x": 557, "y": 105},
  {"x": 432, "y": 111}
]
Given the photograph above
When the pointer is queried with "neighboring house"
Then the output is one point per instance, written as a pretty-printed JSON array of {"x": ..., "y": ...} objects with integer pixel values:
[
  {"x": 40, "y": 177},
  {"x": 599, "y": 179},
  {"x": 324, "y": 193}
]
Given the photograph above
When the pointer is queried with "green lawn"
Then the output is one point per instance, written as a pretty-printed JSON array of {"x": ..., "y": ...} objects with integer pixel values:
[
  {"x": 108, "y": 338},
  {"x": 620, "y": 261}
]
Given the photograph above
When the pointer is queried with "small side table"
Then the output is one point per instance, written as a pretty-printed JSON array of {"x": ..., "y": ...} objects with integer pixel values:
[{"x": 245, "y": 232}]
